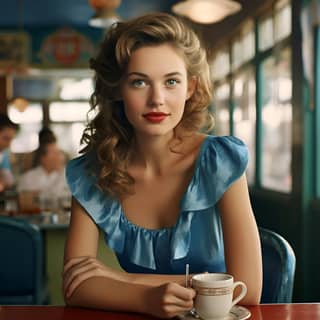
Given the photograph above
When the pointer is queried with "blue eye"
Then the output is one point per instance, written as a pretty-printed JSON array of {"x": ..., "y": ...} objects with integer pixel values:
[{"x": 138, "y": 83}]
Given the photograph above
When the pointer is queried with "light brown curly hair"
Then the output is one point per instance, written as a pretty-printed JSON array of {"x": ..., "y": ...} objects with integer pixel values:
[{"x": 109, "y": 134}]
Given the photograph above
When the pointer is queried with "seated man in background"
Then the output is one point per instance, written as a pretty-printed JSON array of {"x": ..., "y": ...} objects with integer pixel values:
[
  {"x": 8, "y": 130},
  {"x": 45, "y": 136},
  {"x": 47, "y": 179}
]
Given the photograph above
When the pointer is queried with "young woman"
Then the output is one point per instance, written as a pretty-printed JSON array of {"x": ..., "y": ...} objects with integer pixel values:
[{"x": 163, "y": 193}]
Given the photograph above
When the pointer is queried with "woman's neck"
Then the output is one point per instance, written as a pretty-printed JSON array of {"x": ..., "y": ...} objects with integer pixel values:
[
  {"x": 153, "y": 153},
  {"x": 47, "y": 169}
]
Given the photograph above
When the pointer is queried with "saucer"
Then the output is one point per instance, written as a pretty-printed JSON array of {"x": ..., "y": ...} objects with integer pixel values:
[{"x": 236, "y": 313}]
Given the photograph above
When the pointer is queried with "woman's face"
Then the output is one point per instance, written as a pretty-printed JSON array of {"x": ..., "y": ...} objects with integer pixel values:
[
  {"x": 155, "y": 89},
  {"x": 53, "y": 159}
]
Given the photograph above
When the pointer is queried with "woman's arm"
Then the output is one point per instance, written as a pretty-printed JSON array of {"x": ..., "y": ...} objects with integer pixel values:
[
  {"x": 101, "y": 287},
  {"x": 241, "y": 240}
]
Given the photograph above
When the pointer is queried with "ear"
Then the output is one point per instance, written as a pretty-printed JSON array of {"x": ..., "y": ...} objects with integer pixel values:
[{"x": 192, "y": 83}]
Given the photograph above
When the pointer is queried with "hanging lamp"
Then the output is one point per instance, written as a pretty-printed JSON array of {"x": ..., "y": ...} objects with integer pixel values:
[
  {"x": 105, "y": 13},
  {"x": 206, "y": 11}
]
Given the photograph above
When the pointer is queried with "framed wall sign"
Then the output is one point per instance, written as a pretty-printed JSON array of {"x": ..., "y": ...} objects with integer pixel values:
[{"x": 14, "y": 49}]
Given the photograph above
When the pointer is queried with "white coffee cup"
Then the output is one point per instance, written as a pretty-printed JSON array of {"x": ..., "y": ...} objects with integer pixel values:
[{"x": 214, "y": 297}]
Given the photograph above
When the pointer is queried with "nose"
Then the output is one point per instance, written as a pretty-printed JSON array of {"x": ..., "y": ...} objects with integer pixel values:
[{"x": 156, "y": 96}]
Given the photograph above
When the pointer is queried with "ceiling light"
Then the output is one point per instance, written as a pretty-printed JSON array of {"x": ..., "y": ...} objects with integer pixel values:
[{"x": 206, "y": 11}]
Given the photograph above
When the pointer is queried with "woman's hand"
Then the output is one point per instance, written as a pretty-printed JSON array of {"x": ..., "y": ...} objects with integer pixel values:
[
  {"x": 79, "y": 269},
  {"x": 169, "y": 300}
]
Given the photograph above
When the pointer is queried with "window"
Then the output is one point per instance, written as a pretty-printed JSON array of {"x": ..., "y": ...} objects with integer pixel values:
[
  {"x": 221, "y": 64},
  {"x": 69, "y": 111},
  {"x": 75, "y": 88},
  {"x": 248, "y": 43},
  {"x": 222, "y": 110},
  {"x": 276, "y": 26},
  {"x": 237, "y": 53},
  {"x": 276, "y": 122},
  {"x": 68, "y": 121},
  {"x": 282, "y": 21},
  {"x": 243, "y": 46},
  {"x": 259, "y": 82},
  {"x": 63, "y": 95},
  {"x": 54, "y": 85},
  {"x": 244, "y": 115},
  {"x": 266, "y": 39}
]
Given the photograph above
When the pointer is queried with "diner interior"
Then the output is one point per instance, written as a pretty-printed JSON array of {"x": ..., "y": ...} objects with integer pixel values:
[{"x": 264, "y": 59}]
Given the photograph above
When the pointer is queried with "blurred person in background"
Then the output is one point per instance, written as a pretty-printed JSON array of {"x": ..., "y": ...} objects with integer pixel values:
[
  {"x": 8, "y": 130},
  {"x": 47, "y": 178},
  {"x": 45, "y": 136}
]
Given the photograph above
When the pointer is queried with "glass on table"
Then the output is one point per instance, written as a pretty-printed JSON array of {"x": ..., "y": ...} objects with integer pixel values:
[
  {"x": 28, "y": 203},
  {"x": 65, "y": 203},
  {"x": 48, "y": 202}
]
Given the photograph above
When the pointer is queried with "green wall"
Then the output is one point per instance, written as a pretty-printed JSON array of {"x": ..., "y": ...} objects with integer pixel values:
[{"x": 54, "y": 250}]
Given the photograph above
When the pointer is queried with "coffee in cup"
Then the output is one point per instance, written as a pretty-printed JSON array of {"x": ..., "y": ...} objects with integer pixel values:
[{"x": 214, "y": 298}]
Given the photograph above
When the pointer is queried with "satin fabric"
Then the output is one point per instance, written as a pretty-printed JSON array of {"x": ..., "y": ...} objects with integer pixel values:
[{"x": 196, "y": 238}]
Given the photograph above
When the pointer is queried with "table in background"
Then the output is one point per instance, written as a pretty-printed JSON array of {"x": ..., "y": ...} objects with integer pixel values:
[
  {"x": 303, "y": 311},
  {"x": 47, "y": 220}
]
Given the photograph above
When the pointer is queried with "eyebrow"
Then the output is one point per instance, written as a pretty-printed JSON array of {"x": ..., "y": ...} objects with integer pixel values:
[{"x": 140, "y": 74}]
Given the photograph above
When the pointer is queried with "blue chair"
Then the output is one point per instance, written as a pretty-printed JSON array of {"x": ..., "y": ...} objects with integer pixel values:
[
  {"x": 279, "y": 264},
  {"x": 21, "y": 268}
]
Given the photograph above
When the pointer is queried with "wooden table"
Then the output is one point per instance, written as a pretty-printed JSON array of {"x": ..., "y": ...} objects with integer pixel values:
[{"x": 304, "y": 311}]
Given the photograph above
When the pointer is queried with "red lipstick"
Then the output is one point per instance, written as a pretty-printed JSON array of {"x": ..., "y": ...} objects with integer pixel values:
[{"x": 155, "y": 117}]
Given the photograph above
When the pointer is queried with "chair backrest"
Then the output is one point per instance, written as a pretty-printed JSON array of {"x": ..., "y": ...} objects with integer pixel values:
[
  {"x": 21, "y": 262},
  {"x": 279, "y": 264}
]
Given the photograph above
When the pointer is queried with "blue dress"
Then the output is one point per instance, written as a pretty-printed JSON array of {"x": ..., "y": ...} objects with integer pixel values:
[{"x": 195, "y": 239}]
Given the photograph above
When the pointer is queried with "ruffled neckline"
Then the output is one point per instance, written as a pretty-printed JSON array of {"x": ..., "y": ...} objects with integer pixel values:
[{"x": 183, "y": 205}]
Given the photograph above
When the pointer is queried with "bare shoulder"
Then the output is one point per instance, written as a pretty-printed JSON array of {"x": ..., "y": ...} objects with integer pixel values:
[
  {"x": 191, "y": 144},
  {"x": 189, "y": 150}
]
